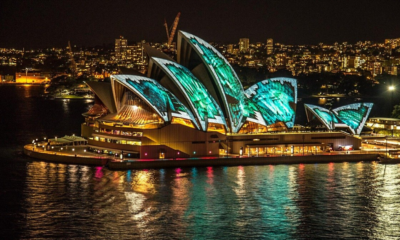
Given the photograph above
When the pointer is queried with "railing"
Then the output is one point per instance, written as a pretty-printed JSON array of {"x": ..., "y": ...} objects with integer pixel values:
[{"x": 30, "y": 147}]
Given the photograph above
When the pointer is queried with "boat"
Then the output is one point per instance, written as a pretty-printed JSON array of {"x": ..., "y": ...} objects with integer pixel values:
[{"x": 388, "y": 160}]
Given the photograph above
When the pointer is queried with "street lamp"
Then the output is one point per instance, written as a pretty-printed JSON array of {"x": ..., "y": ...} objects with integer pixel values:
[{"x": 386, "y": 147}]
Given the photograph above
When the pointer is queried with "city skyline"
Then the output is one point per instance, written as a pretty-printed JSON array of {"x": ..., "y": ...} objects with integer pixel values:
[{"x": 92, "y": 23}]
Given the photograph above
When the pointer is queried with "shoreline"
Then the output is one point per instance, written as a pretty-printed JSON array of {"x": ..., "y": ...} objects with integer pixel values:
[
  {"x": 254, "y": 161},
  {"x": 196, "y": 162}
]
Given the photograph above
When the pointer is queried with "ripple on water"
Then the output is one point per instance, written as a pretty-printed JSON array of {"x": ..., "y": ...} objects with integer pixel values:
[{"x": 312, "y": 201}]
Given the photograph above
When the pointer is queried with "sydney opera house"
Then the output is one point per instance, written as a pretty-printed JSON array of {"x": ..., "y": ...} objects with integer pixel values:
[{"x": 196, "y": 106}]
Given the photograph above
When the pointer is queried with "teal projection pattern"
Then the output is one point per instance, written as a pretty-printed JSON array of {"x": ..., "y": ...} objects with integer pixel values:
[
  {"x": 156, "y": 96},
  {"x": 234, "y": 98},
  {"x": 276, "y": 100},
  {"x": 203, "y": 104},
  {"x": 327, "y": 117},
  {"x": 354, "y": 115}
]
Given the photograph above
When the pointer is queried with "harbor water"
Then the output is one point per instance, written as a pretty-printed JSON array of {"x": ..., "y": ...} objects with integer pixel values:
[{"x": 301, "y": 201}]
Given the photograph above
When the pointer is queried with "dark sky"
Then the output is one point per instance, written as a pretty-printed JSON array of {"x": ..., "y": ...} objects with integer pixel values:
[{"x": 51, "y": 23}]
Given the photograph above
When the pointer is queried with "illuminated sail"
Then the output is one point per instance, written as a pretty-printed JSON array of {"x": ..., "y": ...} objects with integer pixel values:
[
  {"x": 156, "y": 96},
  {"x": 201, "y": 102},
  {"x": 328, "y": 118},
  {"x": 354, "y": 115},
  {"x": 276, "y": 100},
  {"x": 227, "y": 81}
]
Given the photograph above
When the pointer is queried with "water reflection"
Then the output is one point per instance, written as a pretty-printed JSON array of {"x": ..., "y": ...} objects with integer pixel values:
[
  {"x": 65, "y": 105},
  {"x": 277, "y": 202},
  {"x": 311, "y": 201}
]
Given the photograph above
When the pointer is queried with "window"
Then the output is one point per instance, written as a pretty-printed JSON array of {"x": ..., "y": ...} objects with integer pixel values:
[{"x": 133, "y": 143}]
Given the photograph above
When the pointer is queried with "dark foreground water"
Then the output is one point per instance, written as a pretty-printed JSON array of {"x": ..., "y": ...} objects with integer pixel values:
[{"x": 45, "y": 200}]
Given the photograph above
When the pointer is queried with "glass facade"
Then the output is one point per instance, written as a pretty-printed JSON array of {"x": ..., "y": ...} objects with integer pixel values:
[
  {"x": 203, "y": 104},
  {"x": 275, "y": 99},
  {"x": 156, "y": 96},
  {"x": 226, "y": 79}
]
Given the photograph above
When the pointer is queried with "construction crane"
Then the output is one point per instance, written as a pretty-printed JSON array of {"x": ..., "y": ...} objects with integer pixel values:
[
  {"x": 73, "y": 63},
  {"x": 170, "y": 36},
  {"x": 166, "y": 27}
]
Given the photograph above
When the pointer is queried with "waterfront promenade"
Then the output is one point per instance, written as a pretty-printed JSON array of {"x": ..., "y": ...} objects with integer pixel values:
[{"x": 79, "y": 155}]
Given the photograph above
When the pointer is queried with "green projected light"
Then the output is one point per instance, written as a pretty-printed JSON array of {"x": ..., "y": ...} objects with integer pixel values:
[
  {"x": 156, "y": 96},
  {"x": 227, "y": 81},
  {"x": 276, "y": 100},
  {"x": 202, "y": 103},
  {"x": 354, "y": 115},
  {"x": 327, "y": 117}
]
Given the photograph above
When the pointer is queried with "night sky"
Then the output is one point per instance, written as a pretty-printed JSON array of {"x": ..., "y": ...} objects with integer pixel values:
[{"x": 51, "y": 23}]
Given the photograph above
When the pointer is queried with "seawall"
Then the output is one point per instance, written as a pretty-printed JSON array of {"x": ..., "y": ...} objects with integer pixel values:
[
  {"x": 152, "y": 164},
  {"x": 195, "y": 162},
  {"x": 66, "y": 159}
]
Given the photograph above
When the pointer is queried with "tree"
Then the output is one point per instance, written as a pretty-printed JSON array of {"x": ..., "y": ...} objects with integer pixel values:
[{"x": 396, "y": 111}]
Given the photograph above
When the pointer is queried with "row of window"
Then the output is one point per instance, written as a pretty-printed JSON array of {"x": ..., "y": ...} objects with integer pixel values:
[
  {"x": 120, "y": 132},
  {"x": 124, "y": 142}
]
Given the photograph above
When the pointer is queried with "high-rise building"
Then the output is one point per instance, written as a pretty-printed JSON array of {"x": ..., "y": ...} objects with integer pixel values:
[
  {"x": 270, "y": 46},
  {"x": 244, "y": 44},
  {"x": 229, "y": 49},
  {"x": 121, "y": 47}
]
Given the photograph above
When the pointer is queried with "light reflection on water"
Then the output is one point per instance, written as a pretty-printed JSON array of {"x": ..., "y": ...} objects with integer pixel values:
[
  {"x": 47, "y": 200},
  {"x": 284, "y": 201}
]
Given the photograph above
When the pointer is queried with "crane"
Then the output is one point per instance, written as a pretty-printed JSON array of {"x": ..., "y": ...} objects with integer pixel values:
[
  {"x": 171, "y": 35},
  {"x": 73, "y": 63},
  {"x": 166, "y": 27}
]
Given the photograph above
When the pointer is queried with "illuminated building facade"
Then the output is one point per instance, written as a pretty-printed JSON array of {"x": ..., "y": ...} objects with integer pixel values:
[
  {"x": 270, "y": 46},
  {"x": 244, "y": 44},
  {"x": 121, "y": 47},
  {"x": 29, "y": 77},
  {"x": 197, "y": 107}
]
